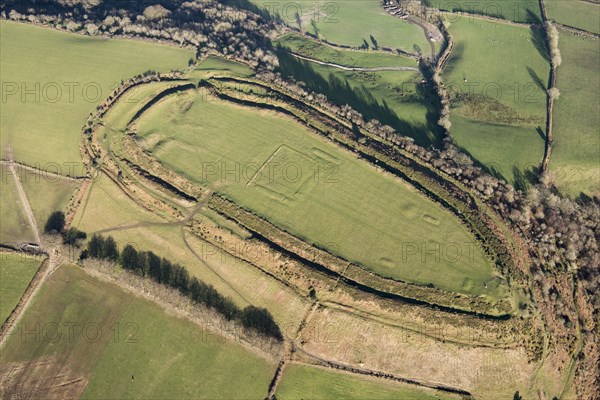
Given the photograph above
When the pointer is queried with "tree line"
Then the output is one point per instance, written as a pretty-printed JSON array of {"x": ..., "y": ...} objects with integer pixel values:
[{"x": 163, "y": 271}]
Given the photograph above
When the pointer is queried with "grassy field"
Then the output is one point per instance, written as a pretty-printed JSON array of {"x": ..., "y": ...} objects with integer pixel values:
[
  {"x": 351, "y": 58},
  {"x": 14, "y": 225},
  {"x": 122, "y": 346},
  {"x": 108, "y": 208},
  {"x": 574, "y": 160},
  {"x": 310, "y": 382},
  {"x": 486, "y": 372},
  {"x": 47, "y": 194},
  {"x": 16, "y": 271},
  {"x": 514, "y": 10},
  {"x": 351, "y": 23},
  {"x": 78, "y": 72},
  {"x": 395, "y": 98},
  {"x": 270, "y": 165},
  {"x": 496, "y": 104},
  {"x": 578, "y": 14}
]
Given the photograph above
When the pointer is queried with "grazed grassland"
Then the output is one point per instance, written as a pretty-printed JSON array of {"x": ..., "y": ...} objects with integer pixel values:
[
  {"x": 43, "y": 110},
  {"x": 249, "y": 156},
  {"x": 578, "y": 14},
  {"x": 47, "y": 194},
  {"x": 349, "y": 22},
  {"x": 14, "y": 227},
  {"x": 514, "y": 10},
  {"x": 305, "y": 381},
  {"x": 497, "y": 76},
  {"x": 574, "y": 161},
  {"x": 120, "y": 346},
  {"x": 16, "y": 271},
  {"x": 395, "y": 98},
  {"x": 108, "y": 210}
]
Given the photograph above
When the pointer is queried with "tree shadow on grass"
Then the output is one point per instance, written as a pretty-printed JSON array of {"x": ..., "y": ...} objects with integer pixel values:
[
  {"x": 536, "y": 78},
  {"x": 541, "y": 132},
  {"x": 538, "y": 38},
  {"x": 361, "y": 98},
  {"x": 524, "y": 178},
  {"x": 532, "y": 18}
]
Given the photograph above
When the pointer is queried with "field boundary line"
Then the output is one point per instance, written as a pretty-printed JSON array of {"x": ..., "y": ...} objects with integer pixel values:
[
  {"x": 42, "y": 172},
  {"x": 379, "y": 374},
  {"x": 366, "y": 315},
  {"x": 343, "y": 47},
  {"x": 34, "y": 285},
  {"x": 577, "y": 31},
  {"x": 489, "y": 18}
]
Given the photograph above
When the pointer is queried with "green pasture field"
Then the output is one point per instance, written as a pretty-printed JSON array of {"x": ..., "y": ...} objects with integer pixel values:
[
  {"x": 514, "y": 10},
  {"x": 110, "y": 211},
  {"x": 67, "y": 75},
  {"x": 271, "y": 165},
  {"x": 574, "y": 160},
  {"x": 14, "y": 225},
  {"x": 16, "y": 271},
  {"x": 395, "y": 98},
  {"x": 350, "y": 22},
  {"x": 350, "y": 58},
  {"x": 497, "y": 79},
  {"x": 46, "y": 194},
  {"x": 311, "y": 382},
  {"x": 135, "y": 350},
  {"x": 578, "y": 14},
  {"x": 520, "y": 154}
]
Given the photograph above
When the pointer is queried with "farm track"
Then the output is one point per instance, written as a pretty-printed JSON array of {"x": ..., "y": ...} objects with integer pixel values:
[
  {"x": 43, "y": 172},
  {"x": 289, "y": 351},
  {"x": 345, "y": 68},
  {"x": 22, "y": 196},
  {"x": 47, "y": 267},
  {"x": 425, "y": 28}
]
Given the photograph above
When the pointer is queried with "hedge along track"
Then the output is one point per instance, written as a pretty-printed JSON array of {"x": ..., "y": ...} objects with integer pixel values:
[{"x": 143, "y": 164}]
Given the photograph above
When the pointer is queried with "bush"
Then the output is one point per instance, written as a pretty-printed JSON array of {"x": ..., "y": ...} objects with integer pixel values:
[{"x": 73, "y": 236}]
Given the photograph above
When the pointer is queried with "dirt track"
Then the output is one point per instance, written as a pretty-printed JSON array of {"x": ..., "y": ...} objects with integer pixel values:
[
  {"x": 23, "y": 198},
  {"x": 362, "y": 69},
  {"x": 48, "y": 266}
]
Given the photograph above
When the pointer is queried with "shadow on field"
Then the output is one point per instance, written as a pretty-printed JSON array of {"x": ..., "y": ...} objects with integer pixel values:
[
  {"x": 361, "y": 99},
  {"x": 541, "y": 132},
  {"x": 532, "y": 18},
  {"x": 538, "y": 39},
  {"x": 455, "y": 59},
  {"x": 536, "y": 78}
]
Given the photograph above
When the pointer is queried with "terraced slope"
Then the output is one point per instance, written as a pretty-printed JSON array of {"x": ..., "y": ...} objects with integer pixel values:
[{"x": 276, "y": 168}]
